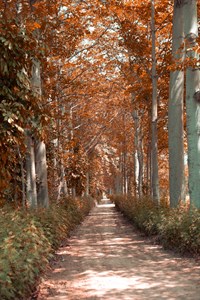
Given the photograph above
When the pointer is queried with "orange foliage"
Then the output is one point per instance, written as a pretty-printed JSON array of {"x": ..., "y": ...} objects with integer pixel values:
[{"x": 96, "y": 68}]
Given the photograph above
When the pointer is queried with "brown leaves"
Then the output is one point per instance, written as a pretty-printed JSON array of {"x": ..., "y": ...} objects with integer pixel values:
[{"x": 31, "y": 26}]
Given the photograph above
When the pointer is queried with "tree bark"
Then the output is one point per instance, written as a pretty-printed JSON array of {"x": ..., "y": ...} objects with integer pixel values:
[
  {"x": 175, "y": 114},
  {"x": 22, "y": 178},
  {"x": 192, "y": 102},
  {"x": 118, "y": 183},
  {"x": 138, "y": 155},
  {"x": 87, "y": 189},
  {"x": 154, "y": 141},
  {"x": 31, "y": 189},
  {"x": 136, "y": 161},
  {"x": 62, "y": 187},
  {"x": 40, "y": 147},
  {"x": 41, "y": 171},
  {"x": 141, "y": 166}
]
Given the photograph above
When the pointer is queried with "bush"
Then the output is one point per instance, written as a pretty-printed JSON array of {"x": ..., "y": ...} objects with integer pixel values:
[
  {"x": 180, "y": 230},
  {"x": 28, "y": 240},
  {"x": 177, "y": 229}
]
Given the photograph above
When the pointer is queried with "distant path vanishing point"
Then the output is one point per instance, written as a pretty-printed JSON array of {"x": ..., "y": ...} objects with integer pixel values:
[{"x": 107, "y": 259}]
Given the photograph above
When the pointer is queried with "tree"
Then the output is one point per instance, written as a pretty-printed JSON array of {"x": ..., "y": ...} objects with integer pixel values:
[
  {"x": 31, "y": 189},
  {"x": 192, "y": 99},
  {"x": 38, "y": 174},
  {"x": 17, "y": 101},
  {"x": 175, "y": 109},
  {"x": 154, "y": 136},
  {"x": 147, "y": 75}
]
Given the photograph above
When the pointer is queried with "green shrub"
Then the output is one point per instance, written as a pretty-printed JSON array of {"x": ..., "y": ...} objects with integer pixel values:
[
  {"x": 24, "y": 253},
  {"x": 180, "y": 230},
  {"x": 177, "y": 229},
  {"x": 28, "y": 240}
]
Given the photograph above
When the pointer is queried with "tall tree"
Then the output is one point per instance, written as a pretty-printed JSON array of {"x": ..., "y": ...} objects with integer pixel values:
[
  {"x": 39, "y": 145},
  {"x": 175, "y": 107},
  {"x": 154, "y": 136},
  {"x": 17, "y": 104},
  {"x": 192, "y": 100}
]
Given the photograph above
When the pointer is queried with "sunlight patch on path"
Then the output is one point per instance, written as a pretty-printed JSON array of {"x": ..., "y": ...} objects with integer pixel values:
[
  {"x": 106, "y": 206},
  {"x": 102, "y": 283}
]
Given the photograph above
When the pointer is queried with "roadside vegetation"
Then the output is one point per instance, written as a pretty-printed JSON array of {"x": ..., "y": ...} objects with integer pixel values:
[
  {"x": 176, "y": 229},
  {"x": 28, "y": 240}
]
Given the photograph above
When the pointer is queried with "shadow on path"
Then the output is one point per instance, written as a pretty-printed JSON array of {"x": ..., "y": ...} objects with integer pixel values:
[{"x": 107, "y": 259}]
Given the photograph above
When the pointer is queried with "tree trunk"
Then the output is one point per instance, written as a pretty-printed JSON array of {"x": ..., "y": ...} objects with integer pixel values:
[
  {"x": 40, "y": 147},
  {"x": 62, "y": 187},
  {"x": 148, "y": 171},
  {"x": 87, "y": 190},
  {"x": 62, "y": 184},
  {"x": 30, "y": 173},
  {"x": 136, "y": 141},
  {"x": 154, "y": 147},
  {"x": 22, "y": 178},
  {"x": 138, "y": 155},
  {"x": 41, "y": 171},
  {"x": 141, "y": 166},
  {"x": 135, "y": 168},
  {"x": 118, "y": 185},
  {"x": 192, "y": 102},
  {"x": 124, "y": 171},
  {"x": 175, "y": 121}
]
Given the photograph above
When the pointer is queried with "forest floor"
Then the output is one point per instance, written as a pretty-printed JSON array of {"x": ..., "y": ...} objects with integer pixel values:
[{"x": 106, "y": 258}]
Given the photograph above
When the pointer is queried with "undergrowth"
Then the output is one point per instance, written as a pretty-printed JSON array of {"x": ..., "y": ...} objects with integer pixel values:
[
  {"x": 177, "y": 229},
  {"x": 28, "y": 240}
]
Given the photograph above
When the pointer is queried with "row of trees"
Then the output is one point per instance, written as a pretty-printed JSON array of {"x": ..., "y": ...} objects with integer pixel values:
[{"x": 84, "y": 99}]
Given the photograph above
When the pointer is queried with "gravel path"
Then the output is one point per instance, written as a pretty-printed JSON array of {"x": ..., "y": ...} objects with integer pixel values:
[{"x": 106, "y": 259}]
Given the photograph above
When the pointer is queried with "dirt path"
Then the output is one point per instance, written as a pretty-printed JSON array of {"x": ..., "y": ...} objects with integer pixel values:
[{"x": 106, "y": 259}]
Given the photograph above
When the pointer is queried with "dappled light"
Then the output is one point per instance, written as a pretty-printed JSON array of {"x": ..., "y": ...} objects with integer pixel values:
[{"x": 107, "y": 259}]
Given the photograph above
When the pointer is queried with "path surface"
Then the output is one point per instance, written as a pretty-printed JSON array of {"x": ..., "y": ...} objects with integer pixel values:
[{"x": 107, "y": 259}]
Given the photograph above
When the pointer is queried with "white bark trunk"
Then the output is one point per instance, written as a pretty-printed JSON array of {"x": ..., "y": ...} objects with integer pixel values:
[
  {"x": 136, "y": 138},
  {"x": 154, "y": 145},
  {"x": 30, "y": 173},
  {"x": 124, "y": 172},
  {"x": 41, "y": 171},
  {"x": 192, "y": 102},
  {"x": 141, "y": 167},
  {"x": 62, "y": 187},
  {"x": 175, "y": 121},
  {"x": 87, "y": 190},
  {"x": 40, "y": 147},
  {"x": 148, "y": 170},
  {"x": 138, "y": 155},
  {"x": 136, "y": 171}
]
